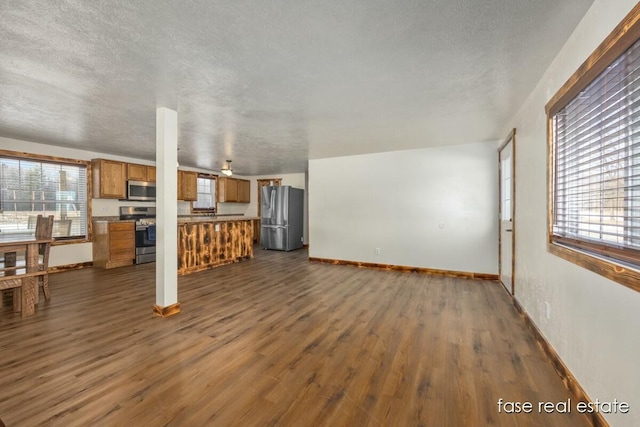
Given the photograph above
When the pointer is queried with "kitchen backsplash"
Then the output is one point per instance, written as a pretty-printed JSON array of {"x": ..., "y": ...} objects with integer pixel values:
[
  {"x": 184, "y": 208},
  {"x": 111, "y": 207},
  {"x": 233, "y": 208}
]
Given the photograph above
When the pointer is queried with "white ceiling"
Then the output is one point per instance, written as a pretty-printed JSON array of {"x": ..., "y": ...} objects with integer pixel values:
[{"x": 270, "y": 84}]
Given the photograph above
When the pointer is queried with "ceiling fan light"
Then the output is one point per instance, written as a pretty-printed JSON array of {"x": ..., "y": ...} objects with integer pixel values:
[{"x": 226, "y": 170}]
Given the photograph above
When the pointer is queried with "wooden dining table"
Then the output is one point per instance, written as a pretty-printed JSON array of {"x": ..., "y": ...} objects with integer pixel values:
[{"x": 22, "y": 277}]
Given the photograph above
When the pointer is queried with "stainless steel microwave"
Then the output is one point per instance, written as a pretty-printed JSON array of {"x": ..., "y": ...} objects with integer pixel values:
[{"x": 140, "y": 190}]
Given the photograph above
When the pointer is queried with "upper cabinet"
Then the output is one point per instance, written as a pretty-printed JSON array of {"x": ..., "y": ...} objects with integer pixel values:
[
  {"x": 151, "y": 173},
  {"x": 234, "y": 190},
  {"x": 109, "y": 179},
  {"x": 141, "y": 172},
  {"x": 227, "y": 190},
  {"x": 187, "y": 186},
  {"x": 244, "y": 191}
]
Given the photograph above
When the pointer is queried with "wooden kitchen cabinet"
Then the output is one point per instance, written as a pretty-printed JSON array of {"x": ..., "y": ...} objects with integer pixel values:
[
  {"x": 114, "y": 244},
  {"x": 244, "y": 191},
  {"x": 109, "y": 179},
  {"x": 141, "y": 172},
  {"x": 151, "y": 173},
  {"x": 136, "y": 172},
  {"x": 208, "y": 244},
  {"x": 234, "y": 190},
  {"x": 227, "y": 190},
  {"x": 187, "y": 186}
]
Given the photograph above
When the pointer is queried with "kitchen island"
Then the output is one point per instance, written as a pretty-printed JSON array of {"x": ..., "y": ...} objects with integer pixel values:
[{"x": 207, "y": 242}]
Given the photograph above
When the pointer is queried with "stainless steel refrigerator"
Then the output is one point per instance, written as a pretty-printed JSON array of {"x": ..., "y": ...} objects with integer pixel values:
[{"x": 282, "y": 218}]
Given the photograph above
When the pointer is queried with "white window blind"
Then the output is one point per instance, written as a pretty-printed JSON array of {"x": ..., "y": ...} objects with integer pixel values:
[
  {"x": 596, "y": 164},
  {"x": 31, "y": 187}
]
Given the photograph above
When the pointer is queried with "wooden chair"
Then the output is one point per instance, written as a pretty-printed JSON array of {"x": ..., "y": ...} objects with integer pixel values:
[
  {"x": 8, "y": 285},
  {"x": 23, "y": 298},
  {"x": 31, "y": 222},
  {"x": 62, "y": 227},
  {"x": 44, "y": 230}
]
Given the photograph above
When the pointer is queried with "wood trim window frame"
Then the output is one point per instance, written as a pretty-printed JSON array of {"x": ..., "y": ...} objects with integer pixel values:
[
  {"x": 63, "y": 160},
  {"x": 621, "y": 38},
  {"x": 215, "y": 199}
]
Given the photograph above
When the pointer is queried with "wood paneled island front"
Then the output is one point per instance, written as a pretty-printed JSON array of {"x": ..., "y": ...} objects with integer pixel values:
[{"x": 207, "y": 242}]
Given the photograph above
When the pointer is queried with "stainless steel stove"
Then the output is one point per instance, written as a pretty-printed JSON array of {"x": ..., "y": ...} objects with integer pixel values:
[{"x": 145, "y": 218}]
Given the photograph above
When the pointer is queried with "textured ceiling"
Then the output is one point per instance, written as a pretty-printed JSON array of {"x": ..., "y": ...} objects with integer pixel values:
[{"x": 270, "y": 84}]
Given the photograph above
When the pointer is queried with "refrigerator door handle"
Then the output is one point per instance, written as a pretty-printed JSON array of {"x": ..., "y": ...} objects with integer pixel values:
[
  {"x": 274, "y": 226},
  {"x": 272, "y": 202}
]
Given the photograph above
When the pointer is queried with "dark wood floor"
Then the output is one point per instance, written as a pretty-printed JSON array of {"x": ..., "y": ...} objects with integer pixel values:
[{"x": 273, "y": 341}]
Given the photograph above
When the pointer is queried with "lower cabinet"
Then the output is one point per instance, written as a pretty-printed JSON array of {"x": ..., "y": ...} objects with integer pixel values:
[
  {"x": 207, "y": 244},
  {"x": 114, "y": 244},
  {"x": 256, "y": 231}
]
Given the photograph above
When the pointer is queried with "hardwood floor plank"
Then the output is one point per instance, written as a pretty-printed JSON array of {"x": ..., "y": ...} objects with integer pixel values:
[{"x": 275, "y": 341}]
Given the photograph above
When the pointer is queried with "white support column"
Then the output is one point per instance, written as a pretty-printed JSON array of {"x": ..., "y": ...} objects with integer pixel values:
[{"x": 166, "y": 213}]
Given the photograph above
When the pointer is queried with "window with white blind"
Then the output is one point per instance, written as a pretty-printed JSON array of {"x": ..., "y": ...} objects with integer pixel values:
[
  {"x": 597, "y": 163},
  {"x": 594, "y": 161},
  {"x": 206, "y": 188},
  {"x": 30, "y": 187}
]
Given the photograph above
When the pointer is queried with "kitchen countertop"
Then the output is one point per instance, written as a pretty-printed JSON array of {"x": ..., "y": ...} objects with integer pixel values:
[
  {"x": 216, "y": 218},
  {"x": 110, "y": 219}
]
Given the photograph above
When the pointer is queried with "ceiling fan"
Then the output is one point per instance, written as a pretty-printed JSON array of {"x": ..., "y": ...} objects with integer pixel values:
[{"x": 226, "y": 169}]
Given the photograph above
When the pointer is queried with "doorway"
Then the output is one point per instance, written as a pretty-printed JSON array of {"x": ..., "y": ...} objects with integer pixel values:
[{"x": 506, "y": 189}]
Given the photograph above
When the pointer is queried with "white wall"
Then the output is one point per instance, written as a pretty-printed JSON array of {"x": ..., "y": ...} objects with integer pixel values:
[
  {"x": 434, "y": 208},
  {"x": 594, "y": 322}
]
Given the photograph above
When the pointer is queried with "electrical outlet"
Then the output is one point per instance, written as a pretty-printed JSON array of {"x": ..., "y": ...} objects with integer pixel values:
[
  {"x": 377, "y": 251},
  {"x": 547, "y": 308}
]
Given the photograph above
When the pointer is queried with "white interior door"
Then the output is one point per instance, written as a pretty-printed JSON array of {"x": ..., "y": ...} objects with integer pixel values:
[{"x": 507, "y": 208}]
